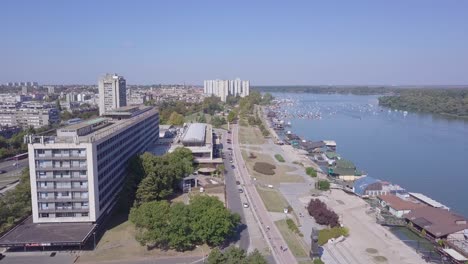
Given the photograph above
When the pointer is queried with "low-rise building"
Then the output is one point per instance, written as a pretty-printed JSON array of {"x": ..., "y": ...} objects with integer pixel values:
[
  {"x": 397, "y": 206},
  {"x": 198, "y": 137},
  {"x": 438, "y": 223}
]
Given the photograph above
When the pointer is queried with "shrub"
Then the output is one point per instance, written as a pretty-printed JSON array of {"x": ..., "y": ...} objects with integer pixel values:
[
  {"x": 323, "y": 185},
  {"x": 279, "y": 158},
  {"x": 293, "y": 227},
  {"x": 311, "y": 172},
  {"x": 264, "y": 168},
  {"x": 335, "y": 232},
  {"x": 322, "y": 215}
]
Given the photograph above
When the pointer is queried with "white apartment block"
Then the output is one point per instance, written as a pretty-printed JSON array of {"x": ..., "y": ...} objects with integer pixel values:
[
  {"x": 76, "y": 176},
  {"x": 223, "y": 88},
  {"x": 112, "y": 93},
  {"x": 28, "y": 117}
]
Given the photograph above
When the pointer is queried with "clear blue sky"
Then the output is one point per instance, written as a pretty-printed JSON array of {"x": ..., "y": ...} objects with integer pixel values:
[{"x": 268, "y": 42}]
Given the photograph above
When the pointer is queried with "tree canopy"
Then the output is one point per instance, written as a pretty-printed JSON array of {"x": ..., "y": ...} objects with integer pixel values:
[
  {"x": 453, "y": 102},
  {"x": 16, "y": 203},
  {"x": 162, "y": 174},
  {"x": 234, "y": 255},
  {"x": 218, "y": 121},
  {"x": 182, "y": 227},
  {"x": 176, "y": 119}
]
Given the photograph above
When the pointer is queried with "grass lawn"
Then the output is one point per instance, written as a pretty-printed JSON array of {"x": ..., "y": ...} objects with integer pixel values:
[
  {"x": 295, "y": 243},
  {"x": 281, "y": 172},
  {"x": 251, "y": 135},
  {"x": 118, "y": 243},
  {"x": 272, "y": 199}
]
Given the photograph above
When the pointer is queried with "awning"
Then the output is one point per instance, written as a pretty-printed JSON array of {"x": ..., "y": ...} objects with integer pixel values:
[{"x": 454, "y": 254}]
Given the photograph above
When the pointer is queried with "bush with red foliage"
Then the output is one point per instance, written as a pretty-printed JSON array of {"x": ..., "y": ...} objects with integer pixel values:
[{"x": 322, "y": 214}]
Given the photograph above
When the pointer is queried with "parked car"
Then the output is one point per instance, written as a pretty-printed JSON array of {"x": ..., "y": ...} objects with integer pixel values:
[
  {"x": 238, "y": 182},
  {"x": 241, "y": 191},
  {"x": 246, "y": 205},
  {"x": 233, "y": 167},
  {"x": 2, "y": 171},
  {"x": 1, "y": 256}
]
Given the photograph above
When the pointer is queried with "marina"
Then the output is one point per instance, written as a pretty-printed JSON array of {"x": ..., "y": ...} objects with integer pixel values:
[{"x": 310, "y": 116}]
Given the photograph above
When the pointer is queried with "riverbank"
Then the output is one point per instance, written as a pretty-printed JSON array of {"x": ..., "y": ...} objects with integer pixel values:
[{"x": 365, "y": 234}]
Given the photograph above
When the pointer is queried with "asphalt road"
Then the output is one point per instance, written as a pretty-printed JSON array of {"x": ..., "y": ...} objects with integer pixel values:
[
  {"x": 275, "y": 240},
  {"x": 234, "y": 202},
  {"x": 9, "y": 166}
]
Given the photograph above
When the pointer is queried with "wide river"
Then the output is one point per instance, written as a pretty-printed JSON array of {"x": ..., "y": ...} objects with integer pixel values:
[{"x": 420, "y": 152}]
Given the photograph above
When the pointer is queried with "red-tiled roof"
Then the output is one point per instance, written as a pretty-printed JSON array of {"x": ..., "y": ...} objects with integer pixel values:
[
  {"x": 399, "y": 204},
  {"x": 436, "y": 221}
]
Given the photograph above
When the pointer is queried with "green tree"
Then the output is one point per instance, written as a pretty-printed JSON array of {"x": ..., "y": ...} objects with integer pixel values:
[
  {"x": 231, "y": 116},
  {"x": 311, "y": 172},
  {"x": 216, "y": 257},
  {"x": 323, "y": 185},
  {"x": 181, "y": 236},
  {"x": 176, "y": 119},
  {"x": 217, "y": 121},
  {"x": 206, "y": 209},
  {"x": 256, "y": 258},
  {"x": 202, "y": 119},
  {"x": 152, "y": 219},
  {"x": 234, "y": 255}
]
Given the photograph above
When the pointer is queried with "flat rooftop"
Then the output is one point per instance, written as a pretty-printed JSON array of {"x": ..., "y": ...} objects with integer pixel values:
[
  {"x": 50, "y": 234},
  {"x": 95, "y": 129},
  {"x": 427, "y": 200}
]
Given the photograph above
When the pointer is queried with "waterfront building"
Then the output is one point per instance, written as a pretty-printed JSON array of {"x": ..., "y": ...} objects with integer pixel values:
[
  {"x": 396, "y": 205},
  {"x": 343, "y": 169},
  {"x": 76, "y": 175},
  {"x": 112, "y": 93},
  {"x": 438, "y": 223},
  {"x": 427, "y": 200},
  {"x": 224, "y": 88}
]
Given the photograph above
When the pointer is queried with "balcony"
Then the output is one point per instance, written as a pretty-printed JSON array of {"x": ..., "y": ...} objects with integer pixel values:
[
  {"x": 56, "y": 168},
  {"x": 62, "y": 199},
  {"x": 64, "y": 210},
  {"x": 62, "y": 189},
  {"x": 62, "y": 179},
  {"x": 59, "y": 157}
]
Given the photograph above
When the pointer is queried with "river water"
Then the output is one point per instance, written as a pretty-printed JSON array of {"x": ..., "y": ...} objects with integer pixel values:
[{"x": 420, "y": 152}]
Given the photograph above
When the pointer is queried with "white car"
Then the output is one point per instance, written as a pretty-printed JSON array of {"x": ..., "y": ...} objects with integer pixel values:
[{"x": 246, "y": 205}]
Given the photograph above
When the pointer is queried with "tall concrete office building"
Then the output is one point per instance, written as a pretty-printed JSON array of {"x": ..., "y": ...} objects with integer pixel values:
[
  {"x": 112, "y": 92},
  {"x": 76, "y": 176},
  {"x": 224, "y": 88}
]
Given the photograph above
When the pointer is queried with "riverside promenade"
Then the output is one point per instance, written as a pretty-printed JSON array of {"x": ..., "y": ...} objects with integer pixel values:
[
  {"x": 368, "y": 243},
  {"x": 267, "y": 226}
]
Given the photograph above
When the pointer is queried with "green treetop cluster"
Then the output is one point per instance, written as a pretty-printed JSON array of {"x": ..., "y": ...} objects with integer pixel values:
[{"x": 182, "y": 227}]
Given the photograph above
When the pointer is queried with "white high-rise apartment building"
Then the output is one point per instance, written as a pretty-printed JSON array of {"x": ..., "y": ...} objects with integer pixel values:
[
  {"x": 77, "y": 175},
  {"x": 112, "y": 93},
  {"x": 223, "y": 88}
]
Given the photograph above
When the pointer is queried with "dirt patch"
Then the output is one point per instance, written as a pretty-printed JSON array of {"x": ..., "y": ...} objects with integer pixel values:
[
  {"x": 264, "y": 168},
  {"x": 372, "y": 250},
  {"x": 380, "y": 259}
]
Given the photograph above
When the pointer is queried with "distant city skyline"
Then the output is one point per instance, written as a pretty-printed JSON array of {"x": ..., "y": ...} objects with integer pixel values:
[{"x": 269, "y": 43}]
